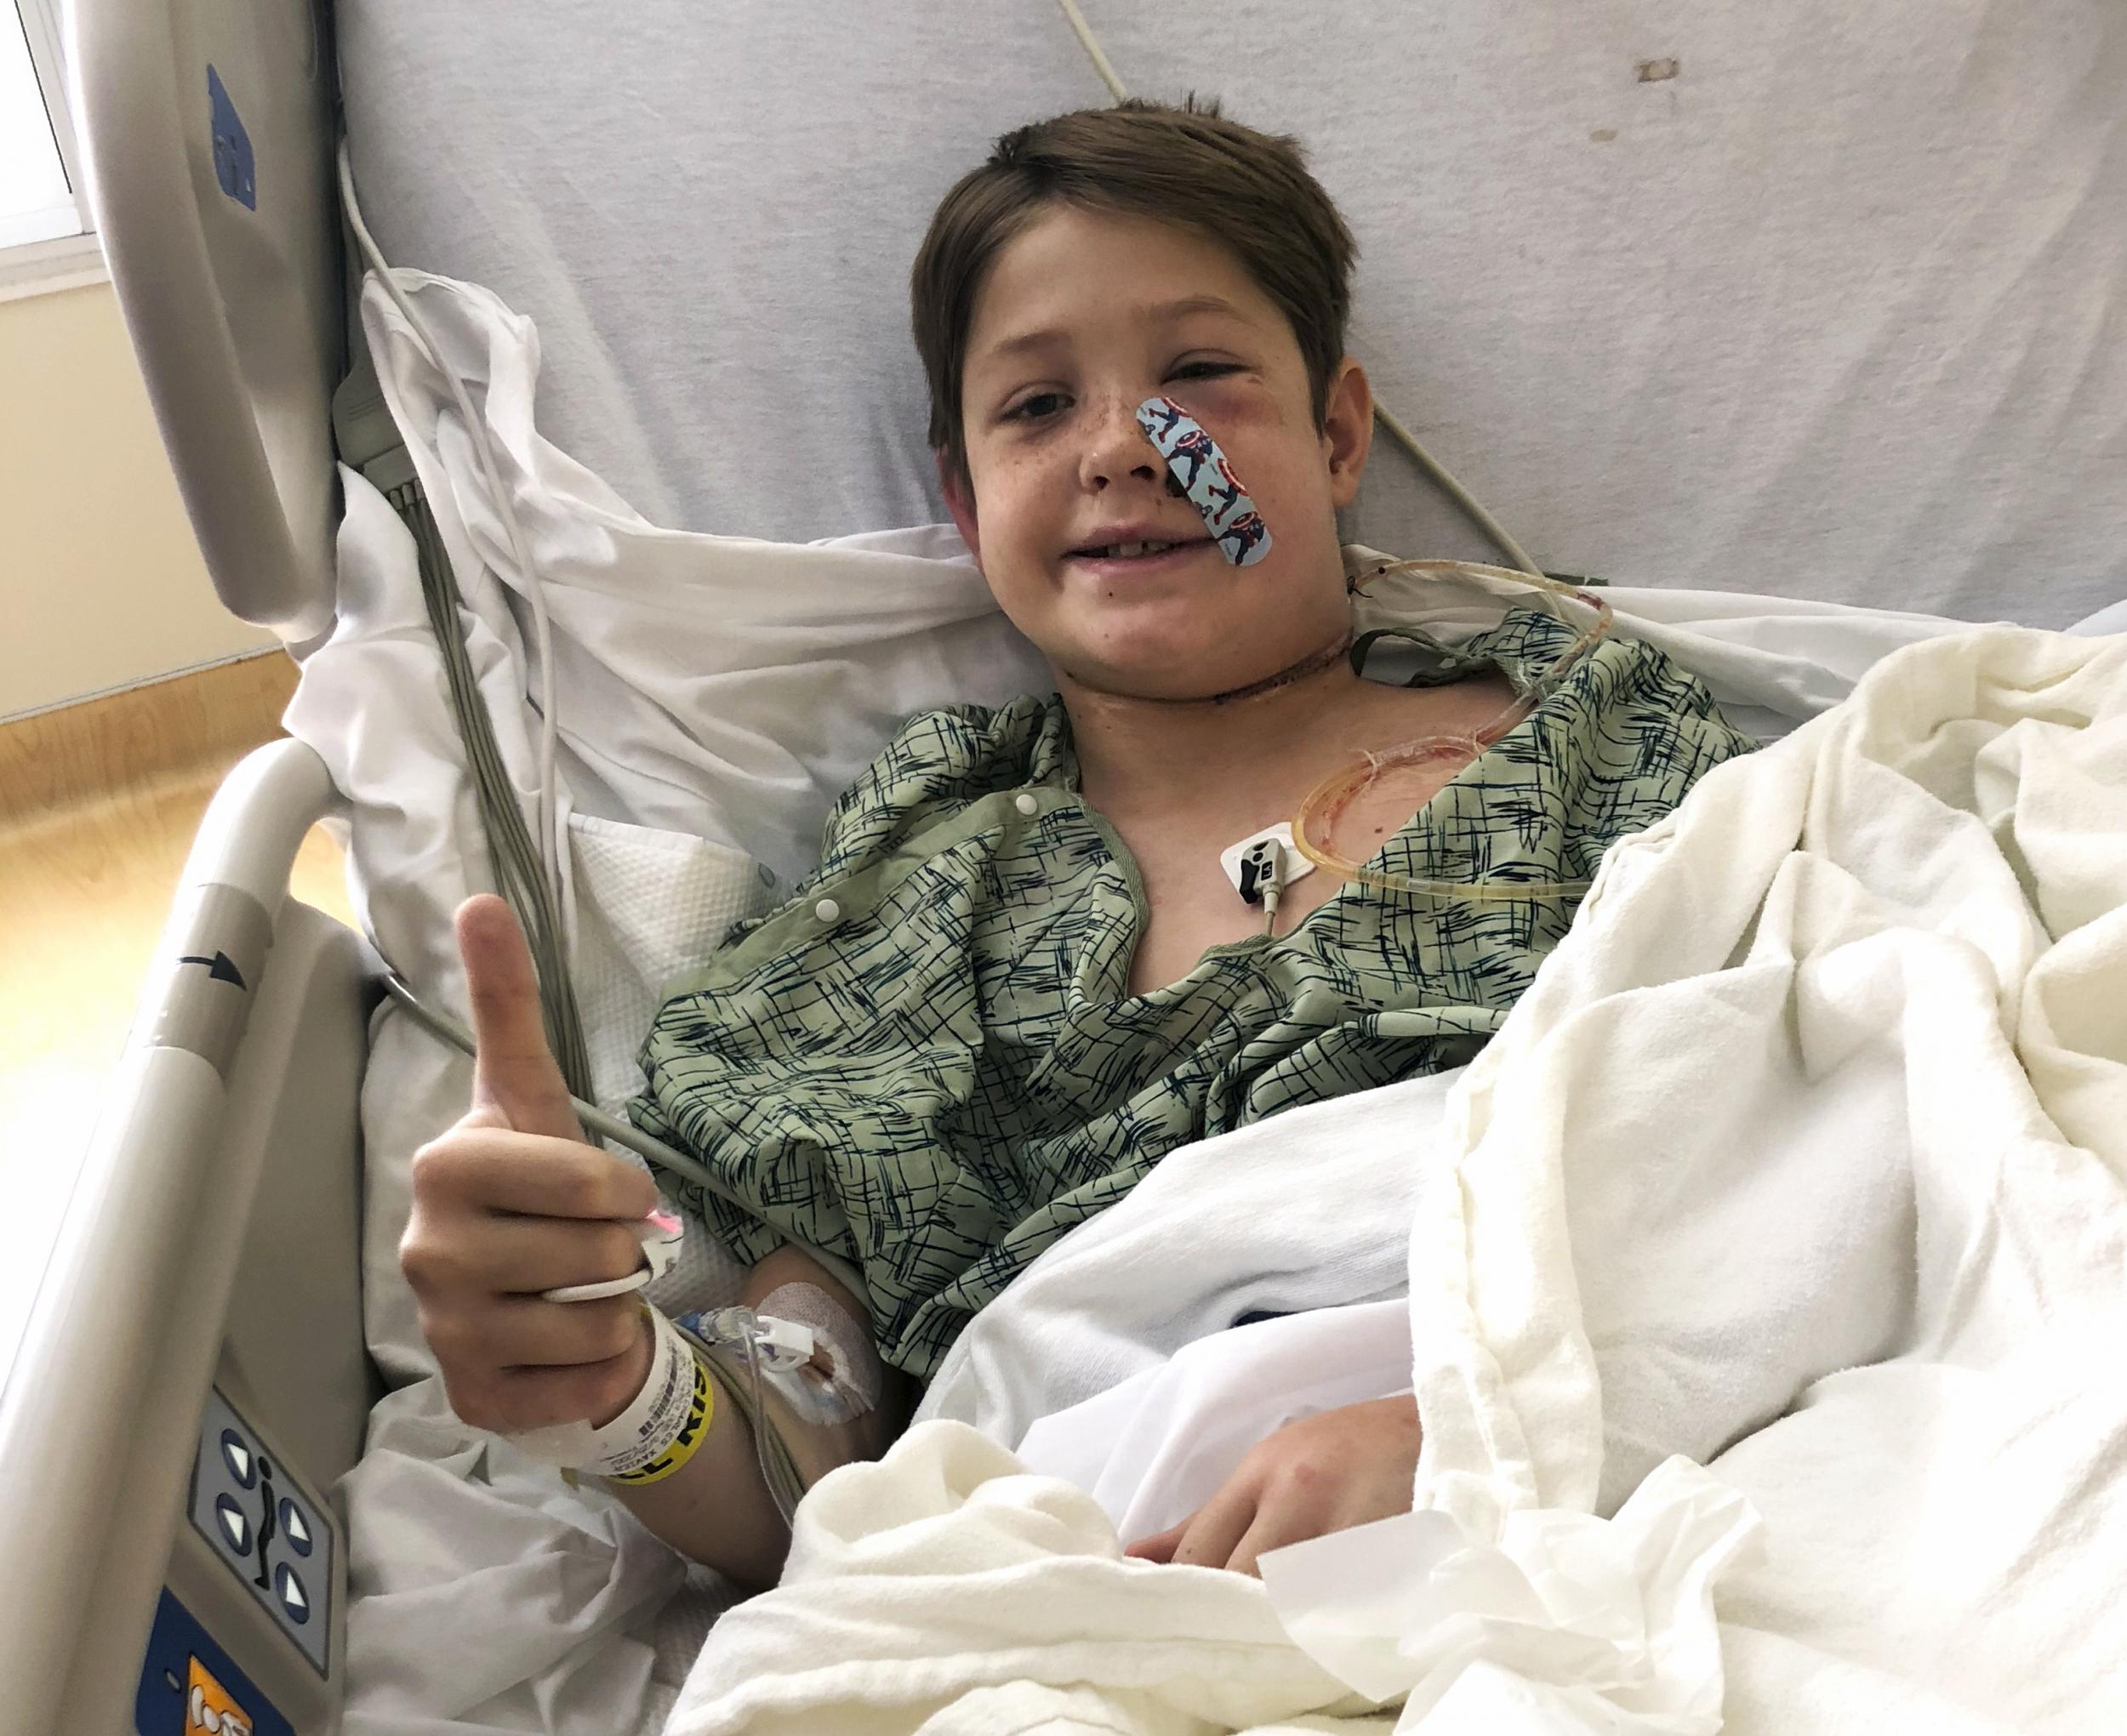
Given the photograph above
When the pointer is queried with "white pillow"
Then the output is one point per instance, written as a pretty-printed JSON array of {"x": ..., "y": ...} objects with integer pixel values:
[
  {"x": 729, "y": 689},
  {"x": 719, "y": 687}
]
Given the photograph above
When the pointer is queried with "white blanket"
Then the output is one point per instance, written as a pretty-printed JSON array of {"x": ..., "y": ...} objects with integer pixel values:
[
  {"x": 709, "y": 688},
  {"x": 1804, "y": 1159},
  {"x": 1115, "y": 1365}
]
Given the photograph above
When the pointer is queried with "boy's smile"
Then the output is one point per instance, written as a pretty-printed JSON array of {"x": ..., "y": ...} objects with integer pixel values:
[
  {"x": 1082, "y": 317},
  {"x": 1137, "y": 548}
]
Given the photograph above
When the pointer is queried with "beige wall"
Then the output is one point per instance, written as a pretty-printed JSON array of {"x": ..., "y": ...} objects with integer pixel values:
[{"x": 101, "y": 585}]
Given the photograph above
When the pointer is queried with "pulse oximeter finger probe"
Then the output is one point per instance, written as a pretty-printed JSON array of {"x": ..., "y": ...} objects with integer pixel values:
[{"x": 660, "y": 1234}]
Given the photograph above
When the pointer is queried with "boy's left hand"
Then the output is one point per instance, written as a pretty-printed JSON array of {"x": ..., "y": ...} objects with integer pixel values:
[{"x": 1324, "y": 1473}]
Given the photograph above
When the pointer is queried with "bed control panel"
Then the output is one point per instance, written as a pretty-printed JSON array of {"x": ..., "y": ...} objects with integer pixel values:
[{"x": 264, "y": 1528}]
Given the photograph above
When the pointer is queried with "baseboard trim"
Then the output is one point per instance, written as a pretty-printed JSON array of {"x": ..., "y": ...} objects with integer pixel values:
[{"x": 200, "y": 720}]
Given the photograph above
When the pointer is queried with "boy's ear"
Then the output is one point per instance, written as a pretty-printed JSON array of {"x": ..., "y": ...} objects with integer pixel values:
[
  {"x": 960, "y": 501},
  {"x": 1348, "y": 430}
]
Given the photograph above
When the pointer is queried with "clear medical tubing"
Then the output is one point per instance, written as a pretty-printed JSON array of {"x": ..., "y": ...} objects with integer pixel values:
[
  {"x": 1315, "y": 825},
  {"x": 771, "y": 1454}
]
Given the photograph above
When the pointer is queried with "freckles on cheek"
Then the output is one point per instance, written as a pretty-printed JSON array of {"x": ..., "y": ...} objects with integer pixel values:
[
  {"x": 1015, "y": 532},
  {"x": 1002, "y": 487}
]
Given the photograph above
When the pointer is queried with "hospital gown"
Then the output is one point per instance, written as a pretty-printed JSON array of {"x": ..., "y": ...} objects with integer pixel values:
[{"x": 929, "y": 1062}]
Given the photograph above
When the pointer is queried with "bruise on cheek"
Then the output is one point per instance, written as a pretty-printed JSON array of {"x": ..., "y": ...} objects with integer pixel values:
[{"x": 1203, "y": 475}]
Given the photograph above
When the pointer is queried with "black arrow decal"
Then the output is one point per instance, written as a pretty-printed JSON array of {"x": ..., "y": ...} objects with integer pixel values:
[{"x": 221, "y": 968}]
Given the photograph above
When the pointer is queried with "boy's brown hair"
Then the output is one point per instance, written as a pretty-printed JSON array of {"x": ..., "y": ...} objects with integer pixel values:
[{"x": 1250, "y": 191}]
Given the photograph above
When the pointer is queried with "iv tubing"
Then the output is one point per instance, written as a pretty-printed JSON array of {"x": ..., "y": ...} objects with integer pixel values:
[{"x": 1329, "y": 798}]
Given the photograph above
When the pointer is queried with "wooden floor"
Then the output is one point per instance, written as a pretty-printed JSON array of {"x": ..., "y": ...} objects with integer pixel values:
[{"x": 98, "y": 806}]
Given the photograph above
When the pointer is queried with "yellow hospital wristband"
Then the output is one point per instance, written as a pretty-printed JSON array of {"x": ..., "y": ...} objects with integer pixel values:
[{"x": 701, "y": 1408}]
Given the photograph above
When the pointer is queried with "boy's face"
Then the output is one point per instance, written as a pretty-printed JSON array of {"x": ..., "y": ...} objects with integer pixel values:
[{"x": 1084, "y": 316}]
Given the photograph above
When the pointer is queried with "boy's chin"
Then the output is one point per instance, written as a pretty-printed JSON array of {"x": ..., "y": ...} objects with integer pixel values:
[{"x": 1172, "y": 676}]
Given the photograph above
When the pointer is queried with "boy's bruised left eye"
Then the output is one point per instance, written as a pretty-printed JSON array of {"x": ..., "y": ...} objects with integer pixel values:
[{"x": 1198, "y": 469}]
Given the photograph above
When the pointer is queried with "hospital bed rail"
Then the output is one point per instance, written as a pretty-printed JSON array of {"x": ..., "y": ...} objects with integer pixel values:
[
  {"x": 193, "y": 1379},
  {"x": 193, "y": 1358},
  {"x": 207, "y": 130}
]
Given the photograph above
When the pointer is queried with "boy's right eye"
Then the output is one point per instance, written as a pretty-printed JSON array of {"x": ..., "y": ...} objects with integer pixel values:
[{"x": 1034, "y": 406}]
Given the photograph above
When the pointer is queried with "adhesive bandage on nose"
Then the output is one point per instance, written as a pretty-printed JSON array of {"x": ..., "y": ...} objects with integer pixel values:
[{"x": 1203, "y": 473}]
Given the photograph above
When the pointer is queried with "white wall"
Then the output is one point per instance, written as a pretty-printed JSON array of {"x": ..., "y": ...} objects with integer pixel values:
[{"x": 101, "y": 585}]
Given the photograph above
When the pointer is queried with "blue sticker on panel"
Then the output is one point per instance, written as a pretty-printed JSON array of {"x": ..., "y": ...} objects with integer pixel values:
[
  {"x": 233, "y": 165},
  {"x": 189, "y": 1684}
]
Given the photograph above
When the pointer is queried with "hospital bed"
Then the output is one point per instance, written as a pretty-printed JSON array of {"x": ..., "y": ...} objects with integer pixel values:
[{"x": 1823, "y": 301}]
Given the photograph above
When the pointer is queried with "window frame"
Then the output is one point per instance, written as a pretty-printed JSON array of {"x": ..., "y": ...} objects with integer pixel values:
[{"x": 34, "y": 268}]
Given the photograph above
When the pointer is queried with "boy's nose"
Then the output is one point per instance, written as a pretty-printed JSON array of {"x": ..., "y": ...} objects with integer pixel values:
[{"x": 1117, "y": 447}]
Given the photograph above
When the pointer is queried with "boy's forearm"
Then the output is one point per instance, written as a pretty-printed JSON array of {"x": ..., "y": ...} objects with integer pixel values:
[{"x": 715, "y": 1509}]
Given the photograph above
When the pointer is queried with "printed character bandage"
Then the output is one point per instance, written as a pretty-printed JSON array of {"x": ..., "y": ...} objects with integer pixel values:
[{"x": 1202, "y": 472}]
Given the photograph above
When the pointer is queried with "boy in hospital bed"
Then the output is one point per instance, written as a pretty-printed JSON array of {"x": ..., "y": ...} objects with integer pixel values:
[{"x": 1029, "y": 963}]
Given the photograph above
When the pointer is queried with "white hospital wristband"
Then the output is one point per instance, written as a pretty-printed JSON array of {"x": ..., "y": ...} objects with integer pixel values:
[{"x": 674, "y": 1394}]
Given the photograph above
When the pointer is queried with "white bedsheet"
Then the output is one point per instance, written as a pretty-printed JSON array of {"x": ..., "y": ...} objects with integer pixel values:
[
  {"x": 1804, "y": 1158},
  {"x": 487, "y": 1596}
]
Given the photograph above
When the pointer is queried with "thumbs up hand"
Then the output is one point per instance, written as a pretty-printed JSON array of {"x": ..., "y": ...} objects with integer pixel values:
[
  {"x": 516, "y": 1082},
  {"x": 512, "y": 1201}
]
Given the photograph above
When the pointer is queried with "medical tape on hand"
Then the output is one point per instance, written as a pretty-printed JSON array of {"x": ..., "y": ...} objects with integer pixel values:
[
  {"x": 657, "y": 1434},
  {"x": 1202, "y": 472},
  {"x": 785, "y": 1338},
  {"x": 851, "y": 1387}
]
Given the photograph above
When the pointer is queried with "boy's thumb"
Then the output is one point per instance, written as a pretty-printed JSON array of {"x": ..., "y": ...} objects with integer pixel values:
[{"x": 516, "y": 1078}]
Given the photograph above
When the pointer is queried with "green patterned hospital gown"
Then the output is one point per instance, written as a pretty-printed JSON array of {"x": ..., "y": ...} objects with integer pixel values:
[{"x": 928, "y": 1061}]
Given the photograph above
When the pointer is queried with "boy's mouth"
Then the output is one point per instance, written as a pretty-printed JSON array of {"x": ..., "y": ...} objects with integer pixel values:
[
  {"x": 1137, "y": 554},
  {"x": 1126, "y": 551}
]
